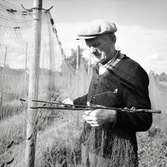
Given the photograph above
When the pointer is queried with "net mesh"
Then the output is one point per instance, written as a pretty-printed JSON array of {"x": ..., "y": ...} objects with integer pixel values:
[
  {"x": 58, "y": 79},
  {"x": 16, "y": 50},
  {"x": 158, "y": 95},
  {"x": 58, "y": 131}
]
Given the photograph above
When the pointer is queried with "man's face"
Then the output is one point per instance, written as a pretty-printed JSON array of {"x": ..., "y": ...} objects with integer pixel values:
[{"x": 100, "y": 47}]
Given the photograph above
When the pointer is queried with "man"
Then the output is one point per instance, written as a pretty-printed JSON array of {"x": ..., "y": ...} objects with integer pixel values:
[{"x": 109, "y": 136}]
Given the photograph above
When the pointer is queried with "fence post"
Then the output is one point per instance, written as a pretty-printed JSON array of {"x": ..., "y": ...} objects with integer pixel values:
[
  {"x": 3, "y": 73},
  {"x": 33, "y": 86},
  {"x": 78, "y": 61},
  {"x": 25, "y": 72},
  {"x": 52, "y": 64}
]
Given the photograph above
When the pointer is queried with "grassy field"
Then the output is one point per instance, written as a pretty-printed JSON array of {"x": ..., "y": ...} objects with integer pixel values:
[
  {"x": 58, "y": 133},
  {"x": 57, "y": 142}
]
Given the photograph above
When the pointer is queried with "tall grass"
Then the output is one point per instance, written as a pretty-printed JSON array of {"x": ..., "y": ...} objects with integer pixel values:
[
  {"x": 56, "y": 145},
  {"x": 58, "y": 132}
]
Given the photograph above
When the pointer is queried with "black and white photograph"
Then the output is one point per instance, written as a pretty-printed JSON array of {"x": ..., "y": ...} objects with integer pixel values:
[{"x": 83, "y": 83}]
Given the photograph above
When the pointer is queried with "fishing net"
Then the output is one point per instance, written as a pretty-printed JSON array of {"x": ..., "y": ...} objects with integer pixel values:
[
  {"x": 58, "y": 130},
  {"x": 158, "y": 95},
  {"x": 16, "y": 48}
]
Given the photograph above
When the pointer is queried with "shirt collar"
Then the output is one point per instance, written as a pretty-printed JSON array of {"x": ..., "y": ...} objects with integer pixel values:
[{"x": 104, "y": 61}]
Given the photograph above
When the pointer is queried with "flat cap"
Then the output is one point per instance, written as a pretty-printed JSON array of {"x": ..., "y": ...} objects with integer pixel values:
[{"x": 96, "y": 28}]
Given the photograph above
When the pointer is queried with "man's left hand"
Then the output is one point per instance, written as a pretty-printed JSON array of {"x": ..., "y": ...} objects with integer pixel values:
[{"x": 99, "y": 117}]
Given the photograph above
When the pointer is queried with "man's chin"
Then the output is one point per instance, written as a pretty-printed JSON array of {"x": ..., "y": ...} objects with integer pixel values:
[{"x": 96, "y": 59}]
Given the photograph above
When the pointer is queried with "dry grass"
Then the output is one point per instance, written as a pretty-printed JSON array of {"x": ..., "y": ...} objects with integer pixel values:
[
  {"x": 11, "y": 109},
  {"x": 153, "y": 148},
  {"x": 58, "y": 143},
  {"x": 57, "y": 140},
  {"x": 52, "y": 143}
]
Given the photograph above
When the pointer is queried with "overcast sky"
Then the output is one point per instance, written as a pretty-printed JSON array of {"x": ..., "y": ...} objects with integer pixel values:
[
  {"x": 149, "y": 13},
  {"x": 142, "y": 25}
]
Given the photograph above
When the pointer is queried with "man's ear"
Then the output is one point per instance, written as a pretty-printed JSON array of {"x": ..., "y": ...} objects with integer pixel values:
[{"x": 112, "y": 38}]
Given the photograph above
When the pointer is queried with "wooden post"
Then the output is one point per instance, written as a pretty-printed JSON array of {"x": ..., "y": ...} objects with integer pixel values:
[
  {"x": 78, "y": 58},
  {"x": 78, "y": 80},
  {"x": 25, "y": 73},
  {"x": 51, "y": 85},
  {"x": 33, "y": 86},
  {"x": 3, "y": 78},
  {"x": 6, "y": 50},
  {"x": 26, "y": 56}
]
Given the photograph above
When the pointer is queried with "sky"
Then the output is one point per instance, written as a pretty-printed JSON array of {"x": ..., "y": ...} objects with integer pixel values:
[{"x": 142, "y": 26}]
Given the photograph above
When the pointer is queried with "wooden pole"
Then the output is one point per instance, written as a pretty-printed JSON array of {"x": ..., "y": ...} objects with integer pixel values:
[
  {"x": 26, "y": 56},
  {"x": 52, "y": 64},
  {"x": 78, "y": 80},
  {"x": 3, "y": 78},
  {"x": 6, "y": 50},
  {"x": 78, "y": 58},
  {"x": 33, "y": 86},
  {"x": 25, "y": 74}
]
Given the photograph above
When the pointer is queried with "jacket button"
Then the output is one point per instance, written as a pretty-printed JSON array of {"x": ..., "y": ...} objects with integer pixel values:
[{"x": 93, "y": 97}]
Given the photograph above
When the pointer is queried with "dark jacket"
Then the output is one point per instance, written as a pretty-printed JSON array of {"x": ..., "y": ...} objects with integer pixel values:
[{"x": 125, "y": 85}]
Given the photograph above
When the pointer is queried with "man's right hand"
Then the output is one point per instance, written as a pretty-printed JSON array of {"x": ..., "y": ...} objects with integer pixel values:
[
  {"x": 99, "y": 117},
  {"x": 67, "y": 101}
]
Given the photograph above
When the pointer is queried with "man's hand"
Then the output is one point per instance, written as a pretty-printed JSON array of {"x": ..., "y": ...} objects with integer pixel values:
[
  {"x": 99, "y": 117},
  {"x": 67, "y": 101}
]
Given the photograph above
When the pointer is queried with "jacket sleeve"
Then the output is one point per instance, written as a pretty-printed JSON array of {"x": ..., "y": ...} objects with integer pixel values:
[
  {"x": 80, "y": 100},
  {"x": 136, "y": 121}
]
